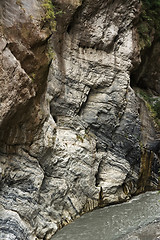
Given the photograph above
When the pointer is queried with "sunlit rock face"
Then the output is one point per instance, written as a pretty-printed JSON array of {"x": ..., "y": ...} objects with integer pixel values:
[
  {"x": 70, "y": 130},
  {"x": 89, "y": 84},
  {"x": 24, "y": 68}
]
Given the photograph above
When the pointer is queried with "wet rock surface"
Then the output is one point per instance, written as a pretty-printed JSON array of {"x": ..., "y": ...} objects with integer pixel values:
[
  {"x": 137, "y": 218},
  {"x": 151, "y": 231}
]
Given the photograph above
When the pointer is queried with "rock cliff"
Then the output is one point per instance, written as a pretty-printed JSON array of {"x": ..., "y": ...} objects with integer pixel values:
[{"x": 77, "y": 132}]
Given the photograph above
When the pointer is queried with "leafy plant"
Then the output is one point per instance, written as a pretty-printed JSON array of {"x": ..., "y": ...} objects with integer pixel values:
[
  {"x": 149, "y": 22},
  {"x": 49, "y": 14}
]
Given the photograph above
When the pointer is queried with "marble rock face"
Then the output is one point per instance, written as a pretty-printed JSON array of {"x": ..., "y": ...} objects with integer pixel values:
[{"x": 70, "y": 130}]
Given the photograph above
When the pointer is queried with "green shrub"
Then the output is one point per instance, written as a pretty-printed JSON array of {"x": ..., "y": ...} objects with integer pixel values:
[
  {"x": 149, "y": 22},
  {"x": 49, "y": 14}
]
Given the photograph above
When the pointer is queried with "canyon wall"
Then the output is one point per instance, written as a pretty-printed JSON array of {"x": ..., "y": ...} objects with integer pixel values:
[{"x": 75, "y": 133}]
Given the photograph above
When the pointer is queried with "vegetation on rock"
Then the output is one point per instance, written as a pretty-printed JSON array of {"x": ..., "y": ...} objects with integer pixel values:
[
  {"x": 153, "y": 105},
  {"x": 19, "y": 3},
  {"x": 149, "y": 22},
  {"x": 49, "y": 14}
]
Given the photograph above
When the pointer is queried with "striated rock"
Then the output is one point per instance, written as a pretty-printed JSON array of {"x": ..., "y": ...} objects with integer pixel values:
[
  {"x": 74, "y": 142},
  {"x": 90, "y": 78},
  {"x": 12, "y": 226}
]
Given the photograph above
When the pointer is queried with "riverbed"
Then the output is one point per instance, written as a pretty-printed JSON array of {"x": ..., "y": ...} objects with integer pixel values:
[{"x": 137, "y": 219}]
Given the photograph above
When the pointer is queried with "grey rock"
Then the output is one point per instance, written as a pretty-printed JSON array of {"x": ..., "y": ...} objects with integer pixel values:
[
  {"x": 151, "y": 231},
  {"x": 71, "y": 143}
]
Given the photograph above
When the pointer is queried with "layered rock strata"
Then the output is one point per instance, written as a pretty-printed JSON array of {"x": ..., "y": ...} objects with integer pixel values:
[{"x": 72, "y": 141}]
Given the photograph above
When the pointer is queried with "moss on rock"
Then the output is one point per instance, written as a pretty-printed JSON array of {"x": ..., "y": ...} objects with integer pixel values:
[{"x": 149, "y": 22}]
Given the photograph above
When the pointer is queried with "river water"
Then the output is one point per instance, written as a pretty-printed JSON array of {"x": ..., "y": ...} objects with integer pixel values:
[{"x": 137, "y": 219}]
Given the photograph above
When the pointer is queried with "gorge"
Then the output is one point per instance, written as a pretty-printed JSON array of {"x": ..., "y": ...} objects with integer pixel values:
[{"x": 80, "y": 110}]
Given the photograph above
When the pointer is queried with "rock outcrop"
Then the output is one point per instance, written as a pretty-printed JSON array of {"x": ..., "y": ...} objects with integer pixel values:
[{"x": 71, "y": 136}]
